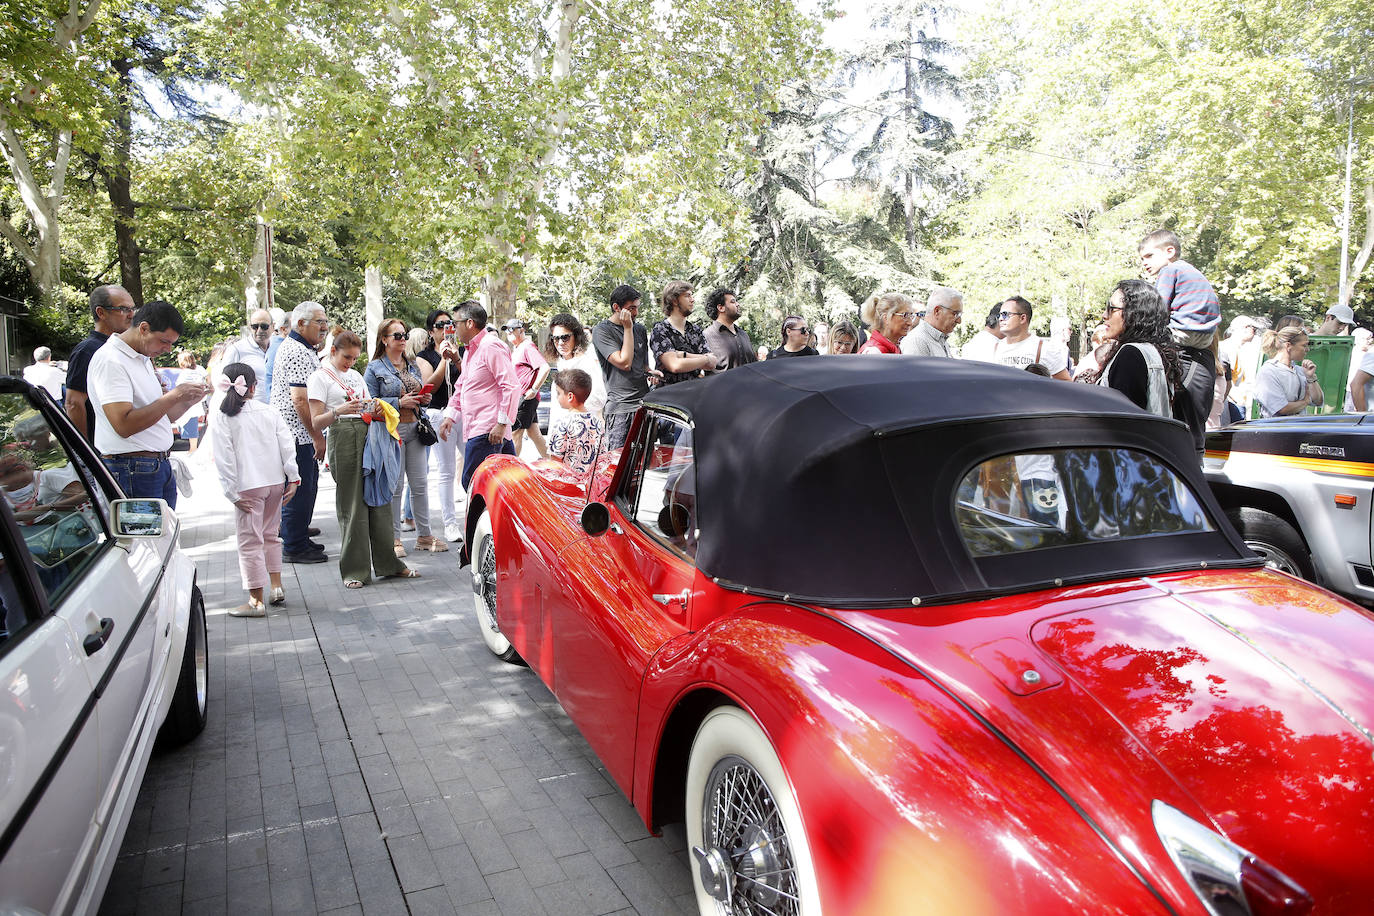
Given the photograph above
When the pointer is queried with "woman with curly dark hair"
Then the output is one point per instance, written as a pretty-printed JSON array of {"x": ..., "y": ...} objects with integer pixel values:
[
  {"x": 568, "y": 347},
  {"x": 1140, "y": 359}
]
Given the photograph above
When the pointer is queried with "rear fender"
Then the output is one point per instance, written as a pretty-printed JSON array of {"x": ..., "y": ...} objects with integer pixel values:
[{"x": 904, "y": 795}]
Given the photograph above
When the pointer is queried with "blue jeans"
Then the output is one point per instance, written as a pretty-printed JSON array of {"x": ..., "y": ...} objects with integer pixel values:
[
  {"x": 478, "y": 449},
  {"x": 296, "y": 515},
  {"x": 144, "y": 477}
]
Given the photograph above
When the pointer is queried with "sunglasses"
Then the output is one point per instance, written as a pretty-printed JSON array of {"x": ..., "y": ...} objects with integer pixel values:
[
  {"x": 261, "y": 327},
  {"x": 1115, "y": 308},
  {"x": 443, "y": 324},
  {"x": 560, "y": 338},
  {"x": 1005, "y": 315},
  {"x": 802, "y": 330},
  {"x": 398, "y": 335}
]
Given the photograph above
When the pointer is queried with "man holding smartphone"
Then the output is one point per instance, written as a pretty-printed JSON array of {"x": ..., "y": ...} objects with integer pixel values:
[{"x": 133, "y": 432}]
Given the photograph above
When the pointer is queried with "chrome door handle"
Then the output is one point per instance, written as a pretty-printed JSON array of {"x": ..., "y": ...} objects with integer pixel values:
[
  {"x": 615, "y": 529},
  {"x": 673, "y": 599}
]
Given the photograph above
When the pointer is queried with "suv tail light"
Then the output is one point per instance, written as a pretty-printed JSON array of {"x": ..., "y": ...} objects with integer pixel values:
[{"x": 1229, "y": 880}]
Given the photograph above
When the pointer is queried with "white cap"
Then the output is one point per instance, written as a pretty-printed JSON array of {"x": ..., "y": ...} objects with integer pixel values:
[{"x": 1342, "y": 313}]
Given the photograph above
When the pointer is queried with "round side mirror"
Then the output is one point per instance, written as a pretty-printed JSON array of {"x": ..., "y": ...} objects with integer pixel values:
[{"x": 596, "y": 518}]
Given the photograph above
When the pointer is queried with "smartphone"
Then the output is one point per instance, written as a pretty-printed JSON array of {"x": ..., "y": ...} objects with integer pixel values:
[{"x": 426, "y": 389}]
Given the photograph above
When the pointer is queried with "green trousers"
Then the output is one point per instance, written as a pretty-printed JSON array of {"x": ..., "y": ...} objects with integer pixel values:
[{"x": 367, "y": 541}]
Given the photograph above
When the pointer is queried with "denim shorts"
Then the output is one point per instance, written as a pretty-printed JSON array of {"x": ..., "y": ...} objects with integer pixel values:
[{"x": 144, "y": 477}]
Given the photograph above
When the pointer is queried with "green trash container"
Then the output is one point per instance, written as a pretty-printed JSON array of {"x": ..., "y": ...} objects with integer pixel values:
[{"x": 1332, "y": 357}]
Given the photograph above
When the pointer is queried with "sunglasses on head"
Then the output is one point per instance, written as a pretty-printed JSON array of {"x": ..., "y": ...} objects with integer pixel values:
[{"x": 261, "y": 327}]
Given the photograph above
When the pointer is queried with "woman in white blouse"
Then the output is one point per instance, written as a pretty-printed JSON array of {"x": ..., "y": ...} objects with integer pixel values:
[
  {"x": 255, "y": 457},
  {"x": 338, "y": 399},
  {"x": 569, "y": 347},
  {"x": 1287, "y": 383}
]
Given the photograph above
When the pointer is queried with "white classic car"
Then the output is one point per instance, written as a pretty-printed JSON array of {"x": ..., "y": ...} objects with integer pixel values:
[{"x": 103, "y": 653}]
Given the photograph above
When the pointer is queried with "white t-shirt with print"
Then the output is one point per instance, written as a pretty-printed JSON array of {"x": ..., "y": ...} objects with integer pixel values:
[
  {"x": 334, "y": 388},
  {"x": 1054, "y": 356}
]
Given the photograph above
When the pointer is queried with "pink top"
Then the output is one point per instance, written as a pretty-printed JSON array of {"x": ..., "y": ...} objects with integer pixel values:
[
  {"x": 488, "y": 392},
  {"x": 528, "y": 361},
  {"x": 877, "y": 343}
]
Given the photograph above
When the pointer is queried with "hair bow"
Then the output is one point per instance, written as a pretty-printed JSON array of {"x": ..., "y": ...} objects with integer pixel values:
[{"x": 240, "y": 385}]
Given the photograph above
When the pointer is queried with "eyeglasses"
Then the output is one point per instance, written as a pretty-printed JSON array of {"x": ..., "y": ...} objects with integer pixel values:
[
  {"x": 398, "y": 335},
  {"x": 261, "y": 327},
  {"x": 128, "y": 309},
  {"x": 907, "y": 315},
  {"x": 560, "y": 338},
  {"x": 1005, "y": 315},
  {"x": 443, "y": 324},
  {"x": 1114, "y": 308}
]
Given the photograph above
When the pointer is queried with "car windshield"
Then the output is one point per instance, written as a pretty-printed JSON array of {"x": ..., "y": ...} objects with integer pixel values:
[{"x": 1064, "y": 497}]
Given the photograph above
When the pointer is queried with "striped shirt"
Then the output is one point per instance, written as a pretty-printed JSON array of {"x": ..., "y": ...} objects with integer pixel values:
[{"x": 1190, "y": 299}]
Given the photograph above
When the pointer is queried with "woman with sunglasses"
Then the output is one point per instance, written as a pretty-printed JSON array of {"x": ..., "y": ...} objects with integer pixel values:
[
  {"x": 444, "y": 355},
  {"x": 796, "y": 339},
  {"x": 394, "y": 377},
  {"x": 890, "y": 316},
  {"x": 1140, "y": 359},
  {"x": 569, "y": 347}
]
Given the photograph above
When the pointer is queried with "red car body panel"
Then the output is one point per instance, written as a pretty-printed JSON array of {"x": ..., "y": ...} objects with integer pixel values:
[{"x": 925, "y": 761}]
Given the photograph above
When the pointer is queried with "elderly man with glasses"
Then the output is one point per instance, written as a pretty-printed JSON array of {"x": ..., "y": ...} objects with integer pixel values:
[
  {"x": 1020, "y": 348},
  {"x": 113, "y": 310},
  {"x": 250, "y": 348},
  {"x": 944, "y": 311},
  {"x": 296, "y": 361}
]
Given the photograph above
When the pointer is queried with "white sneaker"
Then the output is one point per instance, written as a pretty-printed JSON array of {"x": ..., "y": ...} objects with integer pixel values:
[{"x": 453, "y": 532}]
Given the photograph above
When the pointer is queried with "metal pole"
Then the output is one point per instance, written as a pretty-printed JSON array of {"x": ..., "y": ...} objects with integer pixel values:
[
  {"x": 267, "y": 250},
  {"x": 1344, "y": 295}
]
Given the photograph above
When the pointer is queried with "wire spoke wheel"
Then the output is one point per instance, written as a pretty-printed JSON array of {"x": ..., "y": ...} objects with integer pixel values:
[
  {"x": 484, "y": 592},
  {"x": 749, "y": 850}
]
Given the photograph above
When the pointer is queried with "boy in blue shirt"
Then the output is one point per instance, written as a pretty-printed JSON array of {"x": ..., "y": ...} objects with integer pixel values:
[{"x": 1194, "y": 313}]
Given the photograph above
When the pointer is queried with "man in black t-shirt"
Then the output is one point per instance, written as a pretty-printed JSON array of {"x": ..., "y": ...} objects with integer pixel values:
[{"x": 113, "y": 310}]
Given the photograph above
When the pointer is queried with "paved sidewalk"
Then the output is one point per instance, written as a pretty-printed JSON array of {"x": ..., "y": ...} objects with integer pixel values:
[{"x": 366, "y": 754}]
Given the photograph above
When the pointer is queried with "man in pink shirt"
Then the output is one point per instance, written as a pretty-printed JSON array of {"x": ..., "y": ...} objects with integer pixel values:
[{"x": 488, "y": 392}]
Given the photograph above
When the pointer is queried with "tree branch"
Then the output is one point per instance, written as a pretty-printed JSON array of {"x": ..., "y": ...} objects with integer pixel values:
[
  {"x": 20, "y": 243},
  {"x": 59, "y": 167}
]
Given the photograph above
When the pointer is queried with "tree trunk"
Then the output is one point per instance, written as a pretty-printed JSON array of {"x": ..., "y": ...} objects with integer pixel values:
[
  {"x": 1366, "y": 249},
  {"x": 255, "y": 280},
  {"x": 372, "y": 300},
  {"x": 118, "y": 185},
  {"x": 502, "y": 292}
]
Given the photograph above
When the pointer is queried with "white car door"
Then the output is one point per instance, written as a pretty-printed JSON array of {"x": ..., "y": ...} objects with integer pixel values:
[{"x": 106, "y": 597}]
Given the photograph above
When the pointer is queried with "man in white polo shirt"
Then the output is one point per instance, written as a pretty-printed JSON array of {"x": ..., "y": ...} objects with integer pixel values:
[{"x": 132, "y": 431}]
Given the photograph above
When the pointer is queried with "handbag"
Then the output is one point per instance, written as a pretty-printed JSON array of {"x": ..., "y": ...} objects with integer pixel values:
[{"x": 423, "y": 430}]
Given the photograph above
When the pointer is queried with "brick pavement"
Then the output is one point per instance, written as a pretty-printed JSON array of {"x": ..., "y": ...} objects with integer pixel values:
[{"x": 366, "y": 754}]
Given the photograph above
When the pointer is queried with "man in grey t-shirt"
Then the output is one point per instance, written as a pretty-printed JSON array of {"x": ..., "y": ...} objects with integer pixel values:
[{"x": 622, "y": 347}]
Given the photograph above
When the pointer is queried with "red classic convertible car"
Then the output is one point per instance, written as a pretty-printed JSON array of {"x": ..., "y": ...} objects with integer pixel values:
[{"x": 898, "y": 635}]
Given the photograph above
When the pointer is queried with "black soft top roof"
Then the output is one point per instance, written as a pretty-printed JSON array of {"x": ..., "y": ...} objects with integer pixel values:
[{"x": 833, "y": 478}]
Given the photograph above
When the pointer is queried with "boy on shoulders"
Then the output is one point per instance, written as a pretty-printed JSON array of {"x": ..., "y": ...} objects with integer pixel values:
[{"x": 1194, "y": 312}]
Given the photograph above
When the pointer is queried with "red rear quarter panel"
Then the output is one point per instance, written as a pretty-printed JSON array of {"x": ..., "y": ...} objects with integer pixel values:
[{"x": 905, "y": 796}]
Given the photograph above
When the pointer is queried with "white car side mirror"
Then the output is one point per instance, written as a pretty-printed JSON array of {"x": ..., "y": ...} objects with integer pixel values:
[{"x": 139, "y": 518}]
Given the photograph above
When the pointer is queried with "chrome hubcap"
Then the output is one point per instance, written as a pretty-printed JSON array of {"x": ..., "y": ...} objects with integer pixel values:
[
  {"x": 746, "y": 863},
  {"x": 484, "y": 585},
  {"x": 1275, "y": 558}
]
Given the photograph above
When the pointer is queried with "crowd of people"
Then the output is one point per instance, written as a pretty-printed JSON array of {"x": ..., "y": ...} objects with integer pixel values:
[{"x": 285, "y": 395}]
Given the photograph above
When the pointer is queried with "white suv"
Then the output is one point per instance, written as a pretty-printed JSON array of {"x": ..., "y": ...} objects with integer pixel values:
[{"x": 102, "y": 654}]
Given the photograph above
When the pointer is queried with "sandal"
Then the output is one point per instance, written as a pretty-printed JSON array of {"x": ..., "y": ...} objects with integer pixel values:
[
  {"x": 406, "y": 573},
  {"x": 400, "y": 549},
  {"x": 353, "y": 583},
  {"x": 432, "y": 544},
  {"x": 278, "y": 596}
]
